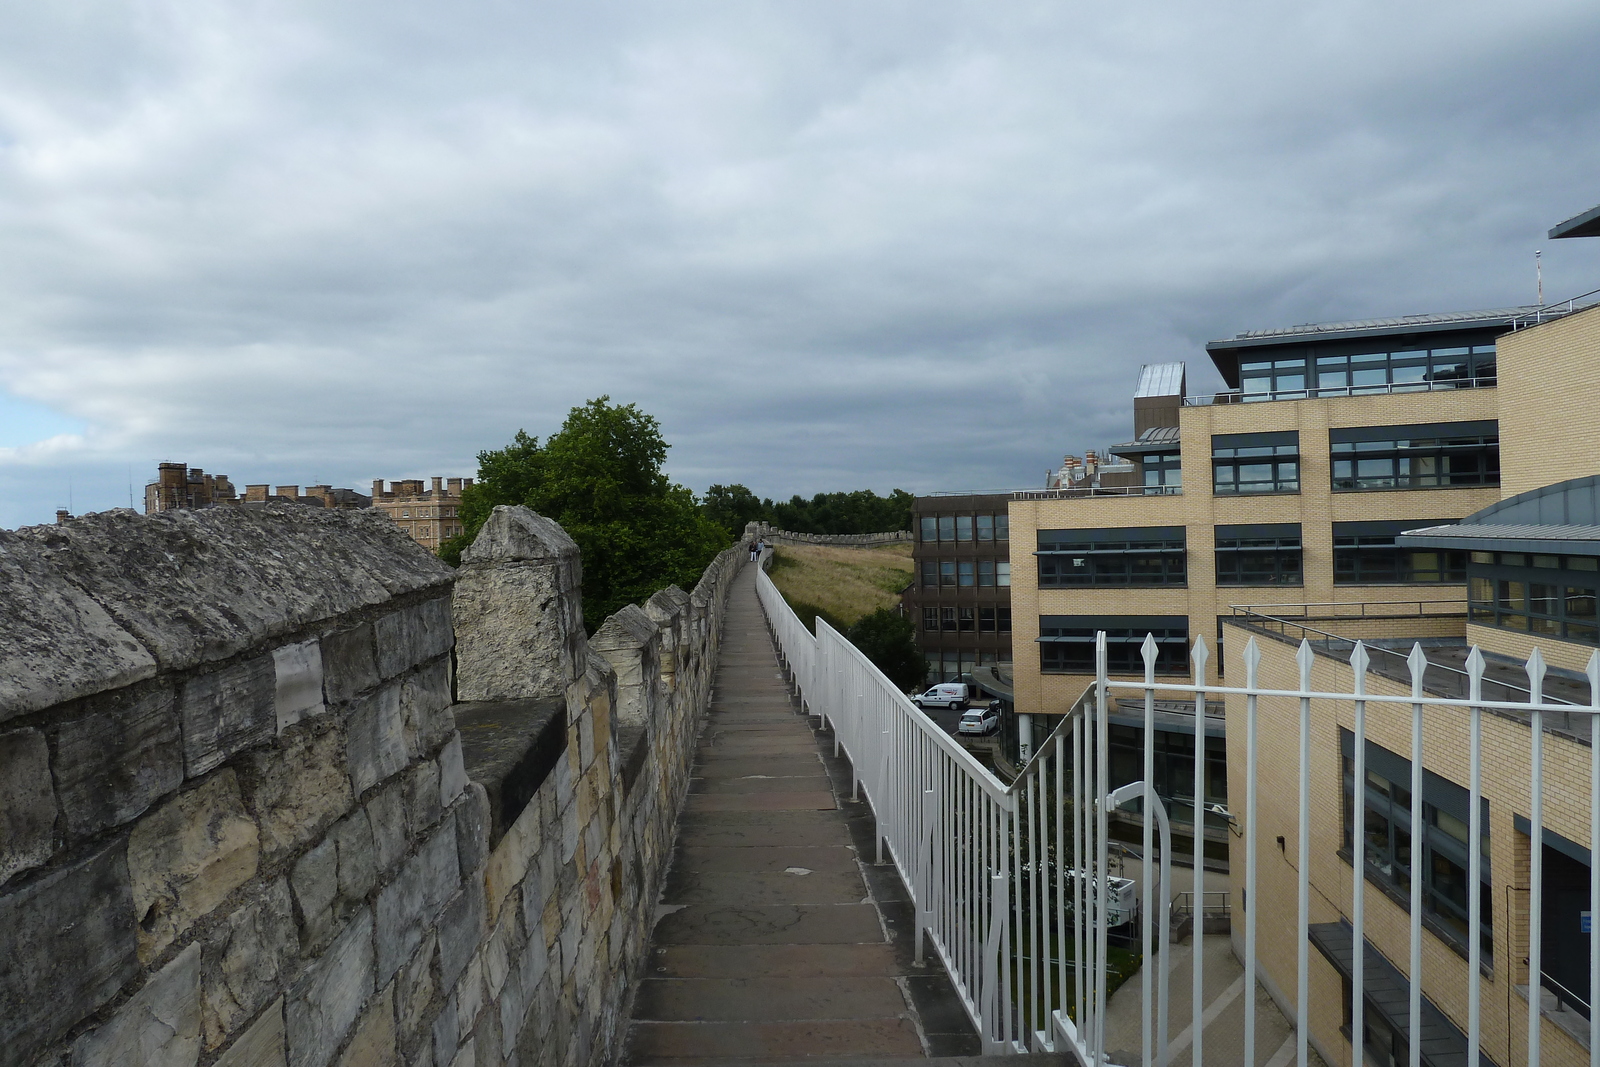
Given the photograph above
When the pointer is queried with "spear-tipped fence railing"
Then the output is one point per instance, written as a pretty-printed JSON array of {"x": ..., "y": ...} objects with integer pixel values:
[{"x": 1012, "y": 883}]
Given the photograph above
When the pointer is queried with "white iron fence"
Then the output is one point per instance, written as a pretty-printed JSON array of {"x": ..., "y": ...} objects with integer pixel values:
[{"x": 1012, "y": 883}]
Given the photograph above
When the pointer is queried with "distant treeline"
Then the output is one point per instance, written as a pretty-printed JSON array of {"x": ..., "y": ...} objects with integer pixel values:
[{"x": 862, "y": 511}]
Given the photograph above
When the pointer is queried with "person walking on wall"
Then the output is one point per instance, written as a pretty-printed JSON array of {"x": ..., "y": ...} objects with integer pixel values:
[{"x": 755, "y": 550}]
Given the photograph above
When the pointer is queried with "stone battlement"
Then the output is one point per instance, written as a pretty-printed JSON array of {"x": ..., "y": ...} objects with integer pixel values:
[{"x": 244, "y": 820}]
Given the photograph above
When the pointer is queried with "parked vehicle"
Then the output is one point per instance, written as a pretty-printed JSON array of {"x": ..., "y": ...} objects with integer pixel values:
[
  {"x": 952, "y": 695},
  {"x": 984, "y": 720}
]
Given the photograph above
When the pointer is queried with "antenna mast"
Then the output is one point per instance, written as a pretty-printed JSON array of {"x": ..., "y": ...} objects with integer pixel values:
[{"x": 1538, "y": 272}]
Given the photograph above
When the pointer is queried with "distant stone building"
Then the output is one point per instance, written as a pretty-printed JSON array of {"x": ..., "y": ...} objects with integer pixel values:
[
  {"x": 181, "y": 486},
  {"x": 428, "y": 515}
]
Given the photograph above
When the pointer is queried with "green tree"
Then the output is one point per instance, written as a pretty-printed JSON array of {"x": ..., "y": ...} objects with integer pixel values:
[
  {"x": 600, "y": 477},
  {"x": 862, "y": 511},
  {"x": 889, "y": 640},
  {"x": 732, "y": 506}
]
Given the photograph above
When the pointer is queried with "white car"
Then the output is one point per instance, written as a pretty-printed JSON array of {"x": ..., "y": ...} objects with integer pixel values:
[
  {"x": 980, "y": 720},
  {"x": 950, "y": 695}
]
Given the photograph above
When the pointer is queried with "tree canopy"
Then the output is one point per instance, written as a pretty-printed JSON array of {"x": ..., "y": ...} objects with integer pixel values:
[
  {"x": 600, "y": 477},
  {"x": 861, "y": 511},
  {"x": 889, "y": 640}
]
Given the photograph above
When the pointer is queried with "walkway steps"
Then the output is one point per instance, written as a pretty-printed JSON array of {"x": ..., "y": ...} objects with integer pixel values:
[{"x": 775, "y": 942}]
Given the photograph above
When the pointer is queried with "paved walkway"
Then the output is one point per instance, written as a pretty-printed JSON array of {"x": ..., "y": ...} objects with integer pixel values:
[{"x": 775, "y": 941}]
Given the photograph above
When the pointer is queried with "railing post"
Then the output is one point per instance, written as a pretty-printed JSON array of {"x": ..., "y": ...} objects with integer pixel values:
[{"x": 1198, "y": 656}]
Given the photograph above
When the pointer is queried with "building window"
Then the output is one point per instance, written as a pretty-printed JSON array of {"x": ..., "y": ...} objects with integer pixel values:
[
  {"x": 1329, "y": 372},
  {"x": 1003, "y": 618},
  {"x": 947, "y": 619},
  {"x": 1387, "y": 843},
  {"x": 1066, "y": 643},
  {"x": 1255, "y": 462},
  {"x": 968, "y": 617},
  {"x": 405, "y": 513},
  {"x": 1162, "y": 473},
  {"x": 986, "y": 527},
  {"x": 947, "y": 573},
  {"x": 1002, "y": 572},
  {"x": 965, "y": 572},
  {"x": 1133, "y": 556},
  {"x": 1002, "y": 527},
  {"x": 1548, "y": 595},
  {"x": 930, "y": 574},
  {"x": 1259, "y": 554},
  {"x": 986, "y": 573},
  {"x": 930, "y": 619},
  {"x": 947, "y": 528},
  {"x": 1364, "y": 553},
  {"x": 1425, "y": 456},
  {"x": 986, "y": 620},
  {"x": 963, "y": 527},
  {"x": 930, "y": 528}
]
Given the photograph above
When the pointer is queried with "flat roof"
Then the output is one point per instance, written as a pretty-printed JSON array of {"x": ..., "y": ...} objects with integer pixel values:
[
  {"x": 1584, "y": 225},
  {"x": 1377, "y": 327}
]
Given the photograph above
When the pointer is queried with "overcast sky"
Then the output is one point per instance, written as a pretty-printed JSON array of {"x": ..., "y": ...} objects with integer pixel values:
[{"x": 828, "y": 245}]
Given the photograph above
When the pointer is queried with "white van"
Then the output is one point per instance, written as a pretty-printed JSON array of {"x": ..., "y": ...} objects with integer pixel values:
[{"x": 952, "y": 695}]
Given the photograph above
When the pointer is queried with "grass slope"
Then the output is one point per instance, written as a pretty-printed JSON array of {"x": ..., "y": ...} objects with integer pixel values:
[{"x": 840, "y": 584}]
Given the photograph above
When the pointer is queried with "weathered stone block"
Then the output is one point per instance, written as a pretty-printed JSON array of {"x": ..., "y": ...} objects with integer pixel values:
[
  {"x": 244, "y": 959},
  {"x": 386, "y": 813},
  {"x": 466, "y": 1057},
  {"x": 425, "y": 703},
  {"x": 56, "y": 643},
  {"x": 68, "y": 945},
  {"x": 349, "y": 663},
  {"x": 472, "y": 829},
  {"x": 422, "y": 797},
  {"x": 225, "y": 712},
  {"x": 446, "y": 1032},
  {"x": 409, "y": 904},
  {"x": 297, "y": 683},
  {"x": 326, "y": 1000},
  {"x": 315, "y": 881},
  {"x": 159, "y": 1026},
  {"x": 412, "y": 635},
  {"x": 358, "y": 867},
  {"x": 452, "y": 772},
  {"x": 518, "y": 609},
  {"x": 461, "y": 928},
  {"x": 413, "y": 994},
  {"x": 117, "y": 759},
  {"x": 188, "y": 855},
  {"x": 469, "y": 995},
  {"x": 377, "y": 739},
  {"x": 27, "y": 802},
  {"x": 262, "y": 1044},
  {"x": 373, "y": 1044},
  {"x": 298, "y": 791}
]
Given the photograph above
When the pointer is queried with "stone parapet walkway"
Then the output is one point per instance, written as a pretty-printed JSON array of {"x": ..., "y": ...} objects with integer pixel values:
[{"x": 778, "y": 939}]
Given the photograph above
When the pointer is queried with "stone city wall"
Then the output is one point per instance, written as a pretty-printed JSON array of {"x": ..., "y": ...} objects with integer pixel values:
[
  {"x": 239, "y": 824},
  {"x": 787, "y": 537}
]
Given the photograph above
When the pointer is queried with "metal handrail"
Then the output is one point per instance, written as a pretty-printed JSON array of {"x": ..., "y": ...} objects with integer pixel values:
[
  {"x": 1459, "y": 607},
  {"x": 1555, "y": 311},
  {"x": 1319, "y": 392},
  {"x": 1106, "y": 491}
]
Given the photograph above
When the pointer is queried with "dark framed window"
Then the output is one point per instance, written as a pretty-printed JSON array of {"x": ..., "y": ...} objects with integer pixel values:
[
  {"x": 986, "y": 527},
  {"x": 1549, "y": 595},
  {"x": 930, "y": 528},
  {"x": 1259, "y": 554},
  {"x": 1244, "y": 463},
  {"x": 1066, "y": 643},
  {"x": 947, "y": 572},
  {"x": 930, "y": 574},
  {"x": 1003, "y": 619},
  {"x": 1364, "y": 553},
  {"x": 965, "y": 573},
  {"x": 1002, "y": 527},
  {"x": 1353, "y": 369},
  {"x": 947, "y": 527},
  {"x": 1002, "y": 572},
  {"x": 1132, "y": 556},
  {"x": 1163, "y": 473},
  {"x": 986, "y": 573},
  {"x": 930, "y": 619},
  {"x": 947, "y": 620},
  {"x": 968, "y": 619},
  {"x": 1422, "y": 456},
  {"x": 986, "y": 620},
  {"x": 963, "y": 527},
  {"x": 1388, "y": 840}
]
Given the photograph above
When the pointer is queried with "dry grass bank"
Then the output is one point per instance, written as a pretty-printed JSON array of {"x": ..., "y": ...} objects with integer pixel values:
[{"x": 840, "y": 584}]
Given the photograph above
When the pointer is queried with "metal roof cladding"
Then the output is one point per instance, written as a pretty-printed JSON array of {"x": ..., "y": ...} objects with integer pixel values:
[
  {"x": 1567, "y": 512},
  {"x": 1398, "y": 324},
  {"x": 1160, "y": 379},
  {"x": 1155, "y": 439},
  {"x": 1584, "y": 225}
]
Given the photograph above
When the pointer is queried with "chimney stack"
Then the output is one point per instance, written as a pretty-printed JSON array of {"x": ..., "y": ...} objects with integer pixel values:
[
  {"x": 438, "y": 486},
  {"x": 290, "y": 491},
  {"x": 455, "y": 486},
  {"x": 62, "y": 515}
]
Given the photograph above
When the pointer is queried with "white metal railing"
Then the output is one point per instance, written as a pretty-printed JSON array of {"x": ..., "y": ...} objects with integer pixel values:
[{"x": 1013, "y": 884}]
